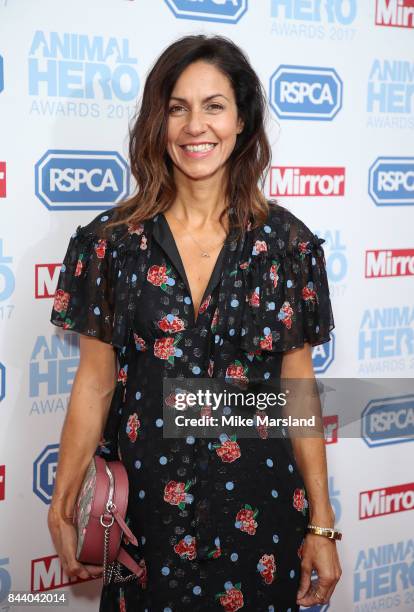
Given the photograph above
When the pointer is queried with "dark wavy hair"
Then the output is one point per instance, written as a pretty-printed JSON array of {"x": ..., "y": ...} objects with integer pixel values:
[{"x": 151, "y": 165}]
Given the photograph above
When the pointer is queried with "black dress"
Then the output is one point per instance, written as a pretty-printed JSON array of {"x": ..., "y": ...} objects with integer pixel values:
[{"x": 220, "y": 522}]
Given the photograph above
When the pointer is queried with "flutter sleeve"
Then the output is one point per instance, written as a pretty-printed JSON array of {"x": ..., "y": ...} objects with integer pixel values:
[
  {"x": 288, "y": 297},
  {"x": 85, "y": 300}
]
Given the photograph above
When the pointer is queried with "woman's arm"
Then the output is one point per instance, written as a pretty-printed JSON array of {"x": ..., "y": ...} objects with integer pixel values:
[
  {"x": 310, "y": 451},
  {"x": 90, "y": 399},
  {"x": 319, "y": 553}
]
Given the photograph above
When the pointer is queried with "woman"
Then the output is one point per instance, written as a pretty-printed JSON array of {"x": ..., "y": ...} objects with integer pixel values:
[{"x": 198, "y": 275}]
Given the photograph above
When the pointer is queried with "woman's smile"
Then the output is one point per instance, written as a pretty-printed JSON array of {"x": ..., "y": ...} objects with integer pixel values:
[{"x": 198, "y": 151}]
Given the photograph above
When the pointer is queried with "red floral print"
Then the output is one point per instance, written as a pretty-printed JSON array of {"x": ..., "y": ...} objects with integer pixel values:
[
  {"x": 157, "y": 275},
  {"x": 304, "y": 248},
  {"x": 171, "y": 324},
  {"x": 266, "y": 342},
  {"x": 132, "y": 427},
  {"x": 140, "y": 343},
  {"x": 267, "y": 568},
  {"x": 273, "y": 273},
  {"x": 285, "y": 315},
  {"x": 232, "y": 599},
  {"x": 100, "y": 248},
  {"x": 135, "y": 228},
  {"x": 204, "y": 305},
  {"x": 309, "y": 295},
  {"x": 122, "y": 375},
  {"x": 164, "y": 348},
  {"x": 79, "y": 267},
  {"x": 175, "y": 493},
  {"x": 186, "y": 550},
  {"x": 237, "y": 371},
  {"x": 261, "y": 428},
  {"x": 215, "y": 320},
  {"x": 61, "y": 301},
  {"x": 245, "y": 519},
  {"x": 228, "y": 451},
  {"x": 300, "y": 502},
  {"x": 260, "y": 246},
  {"x": 254, "y": 298}
]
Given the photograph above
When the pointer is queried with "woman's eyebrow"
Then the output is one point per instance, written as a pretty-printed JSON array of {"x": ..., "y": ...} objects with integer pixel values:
[{"x": 205, "y": 99}]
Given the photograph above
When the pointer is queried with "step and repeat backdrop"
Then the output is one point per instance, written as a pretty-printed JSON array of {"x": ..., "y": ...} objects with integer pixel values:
[{"x": 339, "y": 76}]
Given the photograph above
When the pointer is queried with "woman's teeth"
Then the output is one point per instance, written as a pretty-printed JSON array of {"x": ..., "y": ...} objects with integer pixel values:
[{"x": 200, "y": 147}]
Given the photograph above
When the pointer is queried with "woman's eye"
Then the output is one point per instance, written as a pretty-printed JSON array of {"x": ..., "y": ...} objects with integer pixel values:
[
  {"x": 174, "y": 108},
  {"x": 178, "y": 108}
]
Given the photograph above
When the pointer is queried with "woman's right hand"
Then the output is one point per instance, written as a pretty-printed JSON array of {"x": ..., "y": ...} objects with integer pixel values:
[{"x": 64, "y": 538}]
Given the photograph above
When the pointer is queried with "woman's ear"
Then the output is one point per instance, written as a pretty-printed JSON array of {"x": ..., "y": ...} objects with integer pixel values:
[{"x": 240, "y": 125}]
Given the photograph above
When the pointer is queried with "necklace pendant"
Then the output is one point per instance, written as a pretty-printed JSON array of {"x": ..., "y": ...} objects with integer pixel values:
[{"x": 205, "y": 255}]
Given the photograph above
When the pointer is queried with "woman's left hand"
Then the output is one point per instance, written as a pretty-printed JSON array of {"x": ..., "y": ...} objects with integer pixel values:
[{"x": 319, "y": 553}]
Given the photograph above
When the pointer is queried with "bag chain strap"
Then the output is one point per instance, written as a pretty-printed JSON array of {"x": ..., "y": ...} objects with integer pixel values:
[{"x": 112, "y": 569}]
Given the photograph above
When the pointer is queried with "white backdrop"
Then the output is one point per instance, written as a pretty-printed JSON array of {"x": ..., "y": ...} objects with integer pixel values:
[{"x": 70, "y": 75}]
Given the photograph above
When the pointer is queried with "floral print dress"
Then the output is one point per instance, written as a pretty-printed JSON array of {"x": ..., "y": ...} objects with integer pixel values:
[{"x": 219, "y": 522}]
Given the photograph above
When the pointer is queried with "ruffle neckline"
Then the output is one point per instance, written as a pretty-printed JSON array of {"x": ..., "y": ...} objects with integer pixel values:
[{"x": 283, "y": 247}]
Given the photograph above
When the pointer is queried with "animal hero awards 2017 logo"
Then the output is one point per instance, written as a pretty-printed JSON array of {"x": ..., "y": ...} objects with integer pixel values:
[
  {"x": 386, "y": 340},
  {"x": 79, "y": 75},
  {"x": 390, "y": 94},
  {"x": 52, "y": 368},
  {"x": 384, "y": 577},
  {"x": 314, "y": 19}
]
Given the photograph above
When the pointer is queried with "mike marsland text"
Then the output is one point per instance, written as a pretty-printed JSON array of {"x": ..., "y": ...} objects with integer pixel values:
[{"x": 239, "y": 421}]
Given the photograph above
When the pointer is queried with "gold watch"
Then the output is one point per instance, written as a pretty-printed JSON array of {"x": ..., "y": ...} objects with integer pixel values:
[{"x": 328, "y": 532}]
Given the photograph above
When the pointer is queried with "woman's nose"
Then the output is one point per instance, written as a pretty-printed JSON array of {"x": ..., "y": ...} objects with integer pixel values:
[{"x": 195, "y": 123}]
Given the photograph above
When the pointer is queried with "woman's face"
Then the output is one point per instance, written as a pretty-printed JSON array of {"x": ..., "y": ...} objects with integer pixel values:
[{"x": 203, "y": 121}]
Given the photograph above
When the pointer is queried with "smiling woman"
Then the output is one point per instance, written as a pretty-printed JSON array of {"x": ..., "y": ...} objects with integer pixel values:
[
  {"x": 198, "y": 275},
  {"x": 202, "y": 130}
]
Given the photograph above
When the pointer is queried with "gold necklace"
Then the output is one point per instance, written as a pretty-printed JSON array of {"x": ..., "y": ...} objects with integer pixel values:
[{"x": 204, "y": 253}]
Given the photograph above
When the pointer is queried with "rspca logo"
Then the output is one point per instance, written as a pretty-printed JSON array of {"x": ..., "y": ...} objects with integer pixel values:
[
  {"x": 391, "y": 181},
  {"x": 224, "y": 11},
  {"x": 388, "y": 421},
  {"x": 305, "y": 93},
  {"x": 44, "y": 472},
  {"x": 323, "y": 355},
  {"x": 81, "y": 180}
]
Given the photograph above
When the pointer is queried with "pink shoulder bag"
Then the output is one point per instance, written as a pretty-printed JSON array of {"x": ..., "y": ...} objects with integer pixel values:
[{"x": 99, "y": 518}]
